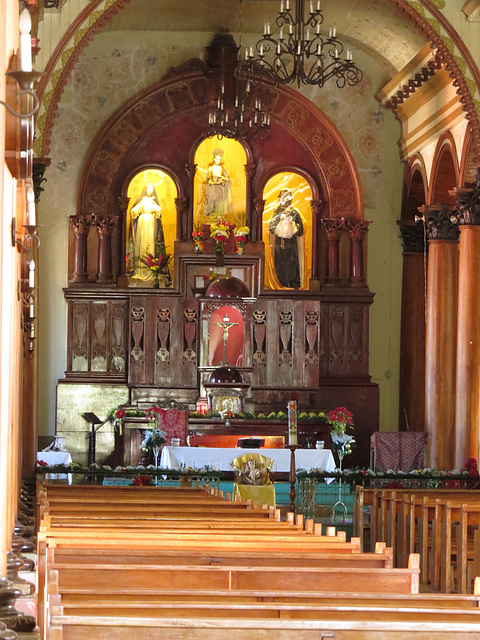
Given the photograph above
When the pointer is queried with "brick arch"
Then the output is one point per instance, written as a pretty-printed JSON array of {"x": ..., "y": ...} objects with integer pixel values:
[
  {"x": 179, "y": 104},
  {"x": 410, "y": 13},
  {"x": 445, "y": 171}
]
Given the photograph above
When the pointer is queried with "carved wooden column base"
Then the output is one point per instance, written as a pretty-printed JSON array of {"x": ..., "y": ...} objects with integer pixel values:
[{"x": 9, "y": 615}]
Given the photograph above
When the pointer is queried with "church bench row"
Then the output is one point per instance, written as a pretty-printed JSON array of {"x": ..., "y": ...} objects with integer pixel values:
[
  {"x": 382, "y": 558},
  {"x": 440, "y": 524}
]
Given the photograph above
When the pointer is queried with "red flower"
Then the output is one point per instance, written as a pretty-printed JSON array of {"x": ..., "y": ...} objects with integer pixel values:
[
  {"x": 142, "y": 481},
  {"x": 42, "y": 463},
  {"x": 120, "y": 413}
]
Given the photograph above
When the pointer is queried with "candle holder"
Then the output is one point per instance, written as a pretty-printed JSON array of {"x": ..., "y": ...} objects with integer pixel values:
[
  {"x": 293, "y": 475},
  {"x": 25, "y": 80},
  {"x": 31, "y": 241}
]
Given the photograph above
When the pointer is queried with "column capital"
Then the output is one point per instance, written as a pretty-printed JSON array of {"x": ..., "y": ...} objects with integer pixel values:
[
  {"x": 333, "y": 227},
  {"x": 468, "y": 202},
  {"x": 357, "y": 228},
  {"x": 80, "y": 224},
  {"x": 413, "y": 236},
  {"x": 105, "y": 225},
  {"x": 441, "y": 222}
]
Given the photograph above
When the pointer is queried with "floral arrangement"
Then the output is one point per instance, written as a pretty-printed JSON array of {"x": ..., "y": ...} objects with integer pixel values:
[
  {"x": 341, "y": 419},
  {"x": 157, "y": 265},
  {"x": 240, "y": 235},
  {"x": 220, "y": 231},
  {"x": 152, "y": 439},
  {"x": 198, "y": 236}
]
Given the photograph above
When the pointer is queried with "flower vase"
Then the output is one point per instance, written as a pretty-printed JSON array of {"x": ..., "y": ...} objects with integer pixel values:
[
  {"x": 156, "y": 283},
  {"x": 156, "y": 453},
  {"x": 340, "y": 504}
]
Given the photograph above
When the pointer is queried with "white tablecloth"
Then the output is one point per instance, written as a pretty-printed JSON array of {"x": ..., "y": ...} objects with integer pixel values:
[
  {"x": 56, "y": 457},
  {"x": 220, "y": 458}
]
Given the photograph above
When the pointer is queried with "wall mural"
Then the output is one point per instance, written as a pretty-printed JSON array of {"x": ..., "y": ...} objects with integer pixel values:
[
  {"x": 287, "y": 231},
  {"x": 151, "y": 228}
]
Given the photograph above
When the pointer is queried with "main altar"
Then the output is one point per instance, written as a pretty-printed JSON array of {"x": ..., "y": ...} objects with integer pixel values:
[{"x": 183, "y": 238}]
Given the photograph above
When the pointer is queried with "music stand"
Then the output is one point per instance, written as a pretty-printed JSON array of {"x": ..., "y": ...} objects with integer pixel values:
[{"x": 93, "y": 421}]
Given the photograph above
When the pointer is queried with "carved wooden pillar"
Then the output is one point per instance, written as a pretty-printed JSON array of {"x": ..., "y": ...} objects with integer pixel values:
[
  {"x": 259, "y": 205},
  {"x": 187, "y": 230},
  {"x": 105, "y": 227},
  {"x": 181, "y": 205},
  {"x": 333, "y": 228},
  {"x": 468, "y": 343},
  {"x": 442, "y": 285},
  {"x": 122, "y": 241},
  {"x": 249, "y": 174},
  {"x": 316, "y": 206},
  {"x": 81, "y": 226},
  {"x": 356, "y": 231},
  {"x": 412, "y": 338}
]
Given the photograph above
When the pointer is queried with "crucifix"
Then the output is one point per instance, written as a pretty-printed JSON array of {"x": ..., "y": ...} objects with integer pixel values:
[{"x": 226, "y": 325}]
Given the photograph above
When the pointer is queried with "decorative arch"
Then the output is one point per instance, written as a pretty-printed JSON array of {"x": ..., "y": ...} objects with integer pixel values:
[
  {"x": 96, "y": 19},
  {"x": 182, "y": 100},
  {"x": 415, "y": 188},
  {"x": 445, "y": 171},
  {"x": 468, "y": 162}
]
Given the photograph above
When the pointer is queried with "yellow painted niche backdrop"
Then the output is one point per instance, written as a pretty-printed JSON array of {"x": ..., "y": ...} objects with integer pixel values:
[
  {"x": 220, "y": 187},
  {"x": 166, "y": 192},
  {"x": 302, "y": 196}
]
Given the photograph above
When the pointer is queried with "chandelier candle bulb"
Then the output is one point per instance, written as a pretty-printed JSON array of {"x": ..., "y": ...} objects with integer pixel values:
[
  {"x": 311, "y": 6},
  {"x": 281, "y": 33},
  {"x": 330, "y": 31},
  {"x": 334, "y": 31},
  {"x": 31, "y": 310},
  {"x": 25, "y": 25},
  {"x": 281, "y": 6},
  {"x": 31, "y": 274},
  {"x": 318, "y": 5},
  {"x": 308, "y": 35},
  {"x": 292, "y": 421},
  {"x": 287, "y": 4}
]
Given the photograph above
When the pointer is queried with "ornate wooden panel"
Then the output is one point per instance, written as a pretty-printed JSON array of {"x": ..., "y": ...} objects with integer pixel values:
[
  {"x": 96, "y": 337},
  {"x": 163, "y": 341}
]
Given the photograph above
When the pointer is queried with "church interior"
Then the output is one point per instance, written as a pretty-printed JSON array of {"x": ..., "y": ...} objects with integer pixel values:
[{"x": 239, "y": 250}]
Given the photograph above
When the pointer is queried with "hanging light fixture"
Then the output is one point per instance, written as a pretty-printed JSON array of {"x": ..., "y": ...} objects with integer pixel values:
[
  {"x": 245, "y": 117},
  {"x": 240, "y": 114},
  {"x": 302, "y": 52}
]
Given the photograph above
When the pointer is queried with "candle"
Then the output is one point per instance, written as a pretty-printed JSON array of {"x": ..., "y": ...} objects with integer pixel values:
[
  {"x": 25, "y": 25},
  {"x": 292, "y": 422},
  {"x": 31, "y": 310},
  {"x": 281, "y": 6},
  {"x": 334, "y": 31},
  {"x": 31, "y": 217},
  {"x": 31, "y": 274},
  {"x": 311, "y": 6}
]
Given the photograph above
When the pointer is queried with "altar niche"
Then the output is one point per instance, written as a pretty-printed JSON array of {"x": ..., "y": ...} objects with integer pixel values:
[
  {"x": 287, "y": 231},
  {"x": 151, "y": 224},
  {"x": 220, "y": 186},
  {"x": 226, "y": 329}
]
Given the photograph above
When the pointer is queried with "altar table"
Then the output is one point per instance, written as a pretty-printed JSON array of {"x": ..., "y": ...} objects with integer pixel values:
[
  {"x": 220, "y": 458},
  {"x": 56, "y": 457}
]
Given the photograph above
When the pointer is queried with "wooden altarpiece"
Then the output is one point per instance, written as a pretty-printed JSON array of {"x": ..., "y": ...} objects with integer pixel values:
[{"x": 308, "y": 343}]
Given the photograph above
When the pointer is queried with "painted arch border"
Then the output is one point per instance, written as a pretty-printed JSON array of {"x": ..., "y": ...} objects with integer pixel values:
[{"x": 92, "y": 18}]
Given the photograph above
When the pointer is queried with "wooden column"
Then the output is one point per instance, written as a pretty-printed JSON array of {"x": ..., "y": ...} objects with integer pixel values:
[
  {"x": 468, "y": 346},
  {"x": 105, "y": 227},
  {"x": 356, "y": 231},
  {"x": 412, "y": 338},
  {"x": 440, "y": 359},
  {"x": 333, "y": 228},
  {"x": 80, "y": 226},
  {"x": 468, "y": 341}
]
